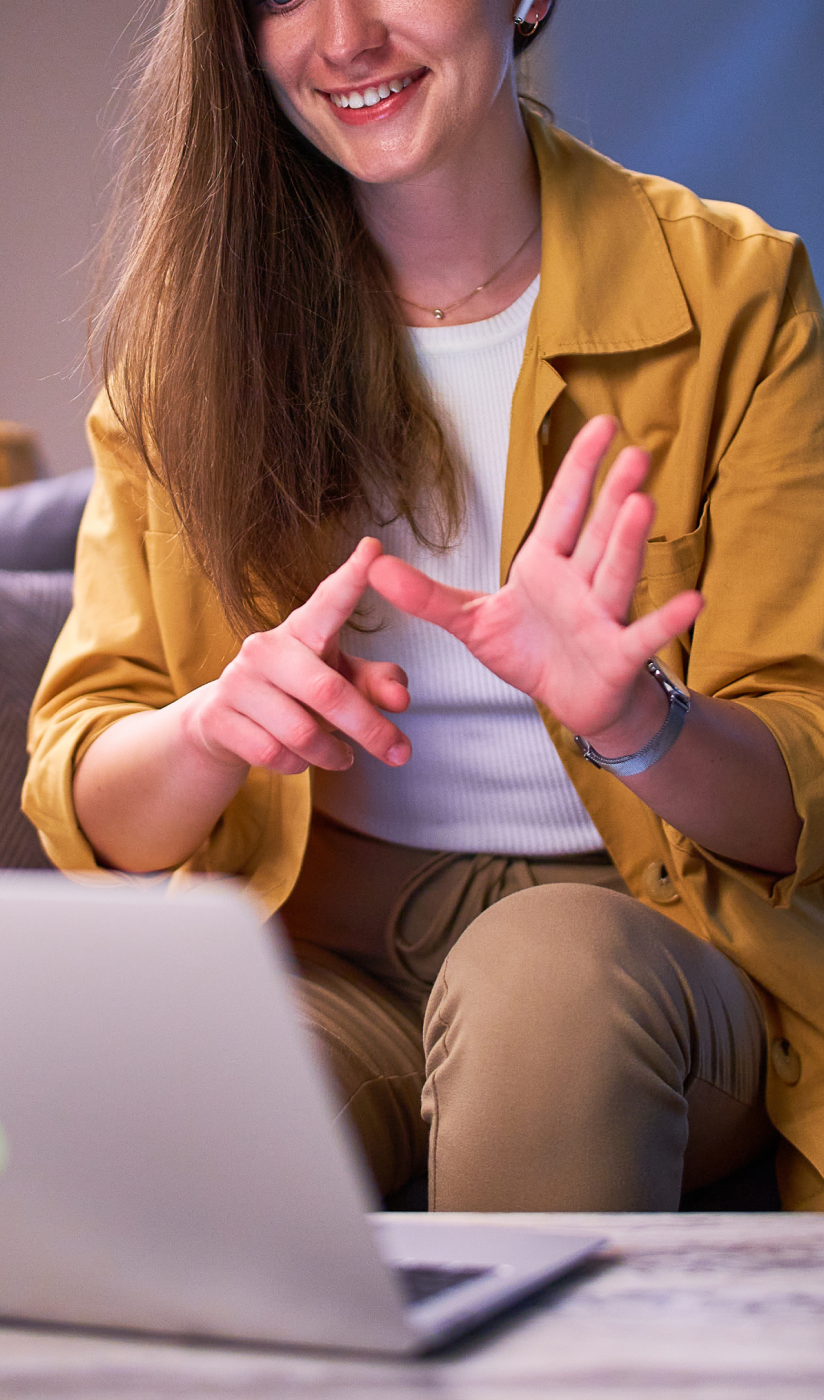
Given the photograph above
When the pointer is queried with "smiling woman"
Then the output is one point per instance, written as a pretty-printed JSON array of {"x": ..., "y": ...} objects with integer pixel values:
[
  {"x": 380, "y": 345},
  {"x": 454, "y": 63}
]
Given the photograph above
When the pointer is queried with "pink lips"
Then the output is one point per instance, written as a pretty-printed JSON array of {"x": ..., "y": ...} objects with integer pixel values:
[{"x": 387, "y": 107}]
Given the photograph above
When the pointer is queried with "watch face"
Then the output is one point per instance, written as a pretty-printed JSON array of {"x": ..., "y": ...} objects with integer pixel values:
[{"x": 669, "y": 676}]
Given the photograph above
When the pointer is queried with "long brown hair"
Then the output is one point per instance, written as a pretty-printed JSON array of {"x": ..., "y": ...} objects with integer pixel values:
[{"x": 251, "y": 346}]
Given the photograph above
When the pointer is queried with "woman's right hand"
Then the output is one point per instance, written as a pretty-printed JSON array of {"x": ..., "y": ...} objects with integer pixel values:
[
  {"x": 278, "y": 704},
  {"x": 151, "y": 787}
]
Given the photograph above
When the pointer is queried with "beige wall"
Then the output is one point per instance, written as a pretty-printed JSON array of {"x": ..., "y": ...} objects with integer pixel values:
[{"x": 59, "y": 61}]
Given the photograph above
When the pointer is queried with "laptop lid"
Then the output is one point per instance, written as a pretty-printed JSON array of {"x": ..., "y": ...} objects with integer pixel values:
[{"x": 171, "y": 1159}]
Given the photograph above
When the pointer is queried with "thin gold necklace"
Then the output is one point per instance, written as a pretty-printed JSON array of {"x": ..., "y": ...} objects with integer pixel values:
[{"x": 441, "y": 312}]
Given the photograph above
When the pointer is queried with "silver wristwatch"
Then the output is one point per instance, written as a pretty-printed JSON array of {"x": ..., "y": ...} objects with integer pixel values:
[{"x": 677, "y": 710}]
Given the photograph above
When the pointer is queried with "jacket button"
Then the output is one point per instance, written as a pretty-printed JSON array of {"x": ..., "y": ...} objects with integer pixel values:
[
  {"x": 658, "y": 885},
  {"x": 786, "y": 1061}
]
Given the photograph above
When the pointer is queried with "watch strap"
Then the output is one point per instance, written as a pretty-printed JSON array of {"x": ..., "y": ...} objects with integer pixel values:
[{"x": 678, "y": 704}]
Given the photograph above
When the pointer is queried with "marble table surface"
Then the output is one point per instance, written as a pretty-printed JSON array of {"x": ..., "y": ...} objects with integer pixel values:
[{"x": 716, "y": 1307}]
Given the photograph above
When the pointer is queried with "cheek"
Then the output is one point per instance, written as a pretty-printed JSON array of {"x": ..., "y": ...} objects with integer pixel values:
[
  {"x": 280, "y": 55},
  {"x": 285, "y": 61},
  {"x": 480, "y": 41},
  {"x": 492, "y": 18}
]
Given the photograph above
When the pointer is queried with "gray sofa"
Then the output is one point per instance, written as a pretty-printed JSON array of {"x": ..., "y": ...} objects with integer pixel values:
[{"x": 38, "y": 530}]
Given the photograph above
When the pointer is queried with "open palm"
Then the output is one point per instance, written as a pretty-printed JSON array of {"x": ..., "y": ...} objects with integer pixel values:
[{"x": 556, "y": 629}]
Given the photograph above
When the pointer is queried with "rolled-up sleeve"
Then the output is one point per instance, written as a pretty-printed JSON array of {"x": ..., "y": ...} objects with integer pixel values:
[
  {"x": 760, "y": 639},
  {"x": 146, "y": 627},
  {"x": 108, "y": 661}
]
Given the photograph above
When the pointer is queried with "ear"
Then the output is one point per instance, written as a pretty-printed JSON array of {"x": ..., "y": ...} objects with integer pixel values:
[{"x": 531, "y": 12}]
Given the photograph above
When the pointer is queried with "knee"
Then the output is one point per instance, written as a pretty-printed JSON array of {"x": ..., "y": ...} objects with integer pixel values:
[
  {"x": 569, "y": 972},
  {"x": 568, "y": 943},
  {"x": 552, "y": 1061}
]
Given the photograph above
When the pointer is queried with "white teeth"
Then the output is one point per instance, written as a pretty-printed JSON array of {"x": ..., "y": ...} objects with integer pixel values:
[{"x": 371, "y": 96}]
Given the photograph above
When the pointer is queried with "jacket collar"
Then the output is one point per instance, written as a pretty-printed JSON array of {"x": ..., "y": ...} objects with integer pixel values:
[{"x": 607, "y": 278}]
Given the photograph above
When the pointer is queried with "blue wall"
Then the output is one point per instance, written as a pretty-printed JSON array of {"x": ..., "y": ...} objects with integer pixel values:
[{"x": 726, "y": 96}]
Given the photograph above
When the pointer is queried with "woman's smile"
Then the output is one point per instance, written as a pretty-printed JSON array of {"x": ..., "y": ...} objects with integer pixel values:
[
  {"x": 392, "y": 91},
  {"x": 376, "y": 100}
]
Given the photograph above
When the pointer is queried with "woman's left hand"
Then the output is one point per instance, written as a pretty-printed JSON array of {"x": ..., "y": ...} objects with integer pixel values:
[{"x": 556, "y": 629}]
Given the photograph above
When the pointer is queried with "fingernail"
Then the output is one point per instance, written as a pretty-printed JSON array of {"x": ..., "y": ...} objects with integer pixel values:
[{"x": 398, "y": 754}]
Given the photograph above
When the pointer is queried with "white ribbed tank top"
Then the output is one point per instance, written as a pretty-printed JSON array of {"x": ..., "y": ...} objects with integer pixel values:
[{"x": 484, "y": 774}]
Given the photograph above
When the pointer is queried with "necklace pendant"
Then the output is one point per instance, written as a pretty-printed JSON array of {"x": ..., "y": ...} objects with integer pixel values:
[{"x": 438, "y": 314}]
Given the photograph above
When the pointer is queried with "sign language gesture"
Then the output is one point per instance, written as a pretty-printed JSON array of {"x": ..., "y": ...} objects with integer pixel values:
[
  {"x": 277, "y": 704},
  {"x": 290, "y": 698},
  {"x": 556, "y": 629},
  {"x": 151, "y": 787}
]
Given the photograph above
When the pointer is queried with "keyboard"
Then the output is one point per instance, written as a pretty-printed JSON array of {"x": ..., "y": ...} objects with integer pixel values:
[{"x": 420, "y": 1281}]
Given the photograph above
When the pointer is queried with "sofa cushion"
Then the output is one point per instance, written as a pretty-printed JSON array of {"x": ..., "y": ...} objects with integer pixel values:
[
  {"x": 33, "y": 608},
  {"x": 39, "y": 521}
]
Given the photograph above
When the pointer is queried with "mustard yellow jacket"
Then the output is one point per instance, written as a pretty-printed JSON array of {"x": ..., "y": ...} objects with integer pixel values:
[{"x": 700, "y": 329}]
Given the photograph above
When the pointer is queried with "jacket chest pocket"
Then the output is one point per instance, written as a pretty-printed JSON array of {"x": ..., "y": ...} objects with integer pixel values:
[{"x": 670, "y": 567}]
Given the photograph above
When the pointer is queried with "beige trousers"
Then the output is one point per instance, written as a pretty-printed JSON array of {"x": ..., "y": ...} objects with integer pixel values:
[{"x": 544, "y": 1039}]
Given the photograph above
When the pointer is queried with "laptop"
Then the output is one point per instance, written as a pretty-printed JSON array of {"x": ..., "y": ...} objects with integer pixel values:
[{"x": 171, "y": 1160}]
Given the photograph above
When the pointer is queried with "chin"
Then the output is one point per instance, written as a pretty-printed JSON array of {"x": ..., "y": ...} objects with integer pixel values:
[
  {"x": 376, "y": 166},
  {"x": 402, "y": 151},
  {"x": 380, "y": 172}
]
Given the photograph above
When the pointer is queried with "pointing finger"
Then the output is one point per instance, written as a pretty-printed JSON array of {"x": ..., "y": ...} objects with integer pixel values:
[{"x": 321, "y": 617}]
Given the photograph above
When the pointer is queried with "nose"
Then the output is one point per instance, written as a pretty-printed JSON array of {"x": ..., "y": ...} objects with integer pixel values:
[{"x": 347, "y": 29}]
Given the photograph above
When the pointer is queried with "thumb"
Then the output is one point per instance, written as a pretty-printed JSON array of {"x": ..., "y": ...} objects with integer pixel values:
[{"x": 416, "y": 593}]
